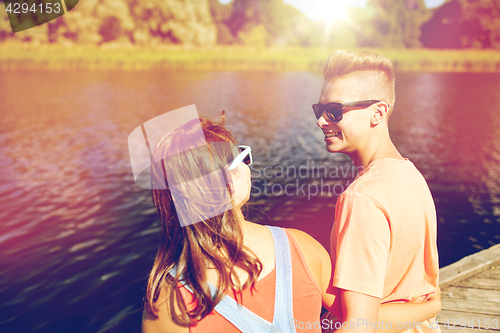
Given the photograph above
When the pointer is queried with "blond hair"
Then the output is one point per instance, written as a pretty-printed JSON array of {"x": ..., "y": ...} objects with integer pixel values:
[{"x": 374, "y": 70}]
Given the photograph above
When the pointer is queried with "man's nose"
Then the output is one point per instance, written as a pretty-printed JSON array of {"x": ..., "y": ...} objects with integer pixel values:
[{"x": 323, "y": 120}]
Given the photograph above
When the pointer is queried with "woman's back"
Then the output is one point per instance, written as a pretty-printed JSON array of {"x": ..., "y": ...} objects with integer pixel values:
[{"x": 307, "y": 257}]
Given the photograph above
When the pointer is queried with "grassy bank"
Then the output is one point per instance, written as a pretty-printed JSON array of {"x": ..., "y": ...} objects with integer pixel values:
[{"x": 58, "y": 57}]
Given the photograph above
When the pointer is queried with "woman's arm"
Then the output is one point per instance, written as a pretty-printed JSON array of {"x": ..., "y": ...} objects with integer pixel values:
[
  {"x": 319, "y": 264},
  {"x": 408, "y": 313}
]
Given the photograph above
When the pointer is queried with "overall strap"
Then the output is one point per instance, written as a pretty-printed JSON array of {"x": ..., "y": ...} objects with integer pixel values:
[
  {"x": 245, "y": 320},
  {"x": 283, "y": 302}
]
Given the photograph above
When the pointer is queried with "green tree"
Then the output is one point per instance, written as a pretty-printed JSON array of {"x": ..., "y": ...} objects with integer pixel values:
[
  {"x": 464, "y": 24},
  {"x": 126, "y": 21},
  {"x": 282, "y": 24},
  {"x": 173, "y": 21},
  {"x": 286, "y": 25},
  {"x": 255, "y": 35},
  {"x": 5, "y": 28},
  {"x": 390, "y": 23},
  {"x": 486, "y": 15},
  {"x": 221, "y": 14}
]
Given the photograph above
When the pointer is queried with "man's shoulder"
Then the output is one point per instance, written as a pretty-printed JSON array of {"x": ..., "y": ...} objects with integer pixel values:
[
  {"x": 390, "y": 173},
  {"x": 388, "y": 181}
]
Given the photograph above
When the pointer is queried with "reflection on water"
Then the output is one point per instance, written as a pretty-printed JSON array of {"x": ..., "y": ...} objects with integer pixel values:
[
  {"x": 77, "y": 236},
  {"x": 453, "y": 120}
]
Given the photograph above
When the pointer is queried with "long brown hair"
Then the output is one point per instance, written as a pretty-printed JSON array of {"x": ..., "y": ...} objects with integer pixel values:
[{"x": 213, "y": 242}]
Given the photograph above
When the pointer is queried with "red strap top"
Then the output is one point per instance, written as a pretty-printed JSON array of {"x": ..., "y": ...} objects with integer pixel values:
[{"x": 306, "y": 299}]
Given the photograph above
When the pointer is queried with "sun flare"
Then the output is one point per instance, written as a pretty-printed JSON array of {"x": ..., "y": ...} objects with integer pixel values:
[{"x": 330, "y": 11}]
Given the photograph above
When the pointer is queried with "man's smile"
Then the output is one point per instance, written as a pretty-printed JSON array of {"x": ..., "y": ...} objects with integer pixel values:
[{"x": 332, "y": 134}]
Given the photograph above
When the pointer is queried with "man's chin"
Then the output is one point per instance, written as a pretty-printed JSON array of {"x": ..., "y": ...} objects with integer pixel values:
[{"x": 331, "y": 149}]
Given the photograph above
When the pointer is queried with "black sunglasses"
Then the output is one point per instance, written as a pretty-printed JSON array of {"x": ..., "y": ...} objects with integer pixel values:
[{"x": 334, "y": 110}]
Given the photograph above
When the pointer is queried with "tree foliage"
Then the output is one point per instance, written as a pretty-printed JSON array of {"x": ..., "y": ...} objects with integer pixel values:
[
  {"x": 464, "y": 24},
  {"x": 220, "y": 16},
  {"x": 390, "y": 23},
  {"x": 130, "y": 21},
  {"x": 270, "y": 21},
  {"x": 382, "y": 23}
]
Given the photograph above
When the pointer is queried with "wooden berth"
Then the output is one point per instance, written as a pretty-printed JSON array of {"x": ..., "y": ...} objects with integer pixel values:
[{"x": 470, "y": 294}]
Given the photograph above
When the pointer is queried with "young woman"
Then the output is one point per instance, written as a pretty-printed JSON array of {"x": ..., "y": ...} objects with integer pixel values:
[{"x": 217, "y": 272}]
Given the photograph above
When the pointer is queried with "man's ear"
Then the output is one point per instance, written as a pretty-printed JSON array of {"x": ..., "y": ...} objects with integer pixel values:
[{"x": 380, "y": 114}]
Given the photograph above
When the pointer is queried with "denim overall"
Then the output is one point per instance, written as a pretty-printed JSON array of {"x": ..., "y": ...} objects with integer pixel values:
[{"x": 247, "y": 321}]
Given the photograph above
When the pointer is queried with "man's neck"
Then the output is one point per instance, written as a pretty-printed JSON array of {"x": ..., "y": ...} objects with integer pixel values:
[{"x": 375, "y": 150}]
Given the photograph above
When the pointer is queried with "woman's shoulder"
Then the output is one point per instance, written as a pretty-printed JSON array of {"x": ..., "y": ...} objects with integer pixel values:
[
  {"x": 307, "y": 243},
  {"x": 314, "y": 253}
]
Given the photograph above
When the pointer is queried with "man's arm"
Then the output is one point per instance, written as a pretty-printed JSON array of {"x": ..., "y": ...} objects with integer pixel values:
[
  {"x": 360, "y": 243},
  {"x": 360, "y": 312},
  {"x": 400, "y": 315}
]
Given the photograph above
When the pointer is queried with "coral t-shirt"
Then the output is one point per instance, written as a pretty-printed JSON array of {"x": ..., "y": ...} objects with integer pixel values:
[
  {"x": 306, "y": 299},
  {"x": 383, "y": 241}
]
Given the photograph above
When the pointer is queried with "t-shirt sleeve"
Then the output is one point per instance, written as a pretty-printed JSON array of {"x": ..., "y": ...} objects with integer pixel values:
[{"x": 360, "y": 244}]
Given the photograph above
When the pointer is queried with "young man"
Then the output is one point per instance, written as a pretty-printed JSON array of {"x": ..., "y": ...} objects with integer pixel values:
[{"x": 383, "y": 242}]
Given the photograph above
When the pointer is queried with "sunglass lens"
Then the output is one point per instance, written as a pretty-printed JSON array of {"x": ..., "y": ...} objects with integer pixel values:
[
  {"x": 247, "y": 160},
  {"x": 318, "y": 110},
  {"x": 334, "y": 111}
]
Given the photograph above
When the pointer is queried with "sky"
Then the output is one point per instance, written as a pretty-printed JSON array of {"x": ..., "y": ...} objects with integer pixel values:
[{"x": 315, "y": 9}]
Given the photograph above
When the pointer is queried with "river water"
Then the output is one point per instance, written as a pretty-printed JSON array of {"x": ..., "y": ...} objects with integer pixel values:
[{"x": 78, "y": 237}]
